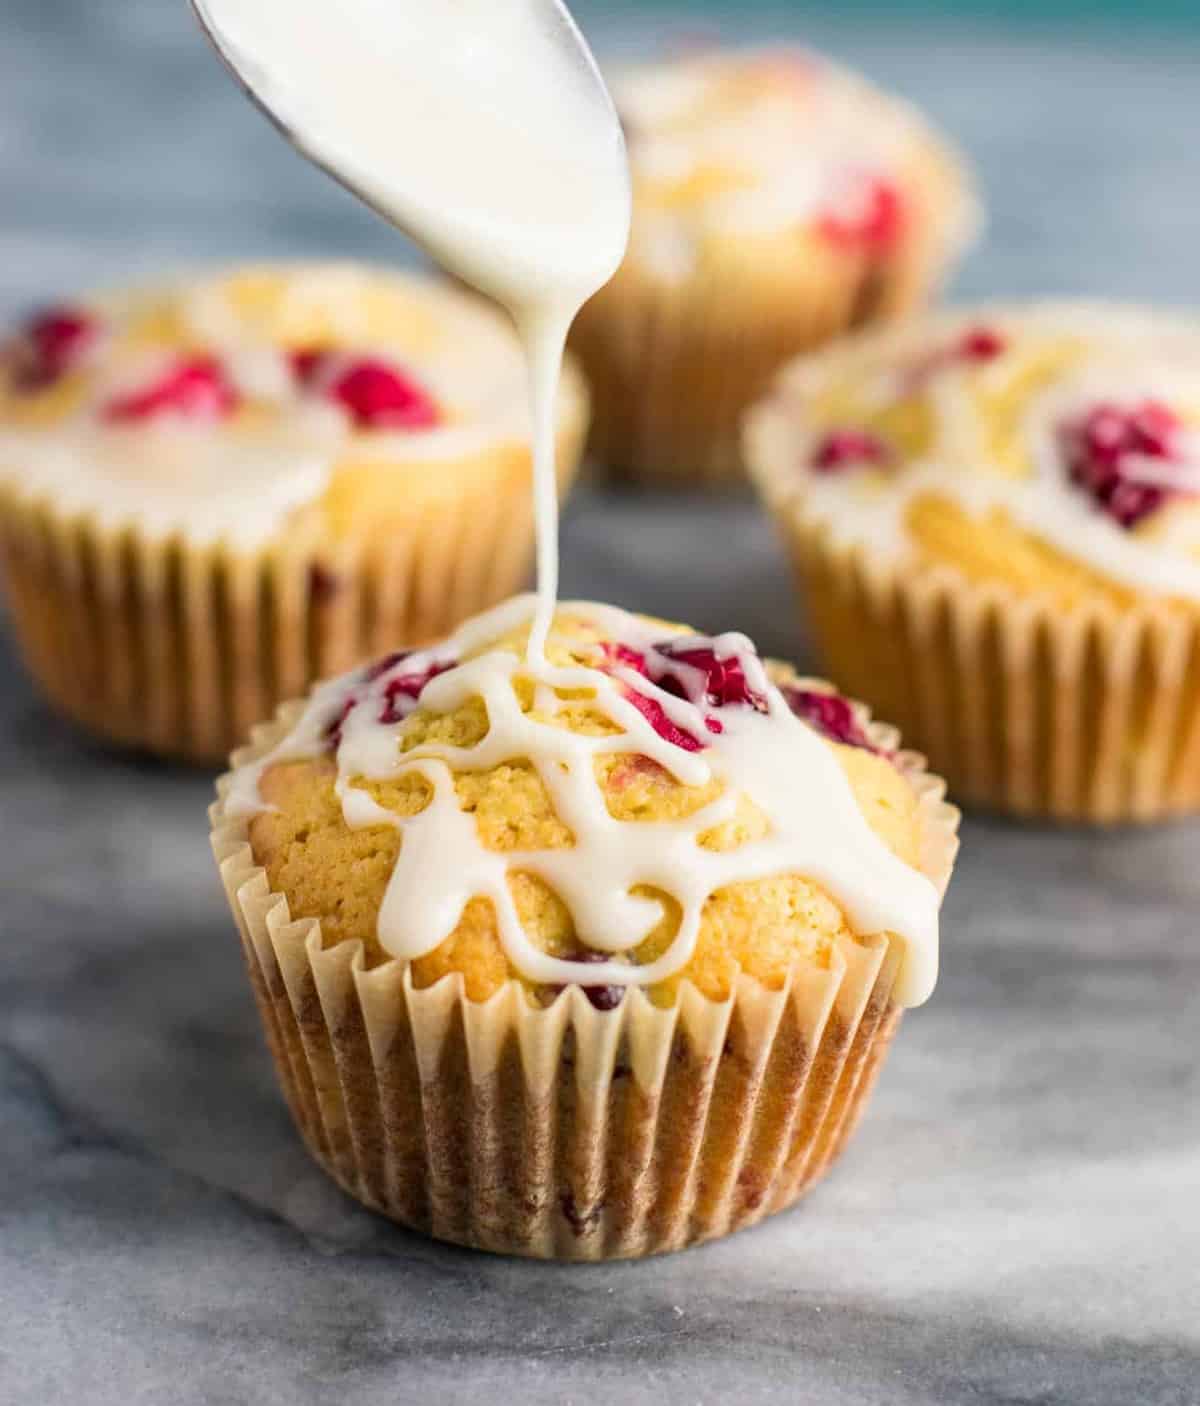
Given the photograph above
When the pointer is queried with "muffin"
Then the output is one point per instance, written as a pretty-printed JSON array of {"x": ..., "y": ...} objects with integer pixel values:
[
  {"x": 214, "y": 492},
  {"x": 995, "y": 516},
  {"x": 778, "y": 201},
  {"x": 592, "y": 957}
]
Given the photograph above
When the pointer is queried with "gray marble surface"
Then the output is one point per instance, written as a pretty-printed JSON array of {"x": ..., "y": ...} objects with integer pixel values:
[{"x": 1019, "y": 1219}]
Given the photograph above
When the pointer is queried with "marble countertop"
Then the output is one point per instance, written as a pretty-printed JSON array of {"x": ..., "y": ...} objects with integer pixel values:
[{"x": 1018, "y": 1220}]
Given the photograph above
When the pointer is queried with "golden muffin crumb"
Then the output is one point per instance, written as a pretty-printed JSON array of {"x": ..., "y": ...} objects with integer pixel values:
[{"x": 761, "y": 927}]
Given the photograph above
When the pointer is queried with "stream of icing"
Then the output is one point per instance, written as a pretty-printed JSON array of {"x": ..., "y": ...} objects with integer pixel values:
[{"x": 482, "y": 128}]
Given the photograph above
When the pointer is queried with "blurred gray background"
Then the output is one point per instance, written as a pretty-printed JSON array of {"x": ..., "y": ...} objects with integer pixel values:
[
  {"x": 124, "y": 147},
  {"x": 1017, "y": 1223}
]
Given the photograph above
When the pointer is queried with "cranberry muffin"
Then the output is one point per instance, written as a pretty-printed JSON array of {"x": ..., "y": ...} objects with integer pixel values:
[
  {"x": 215, "y": 491},
  {"x": 995, "y": 515},
  {"x": 589, "y": 954},
  {"x": 779, "y": 200}
]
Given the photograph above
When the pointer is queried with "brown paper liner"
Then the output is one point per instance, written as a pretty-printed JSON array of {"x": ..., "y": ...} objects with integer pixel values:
[
  {"x": 179, "y": 649},
  {"x": 673, "y": 364},
  {"x": 565, "y": 1132},
  {"x": 1089, "y": 714}
]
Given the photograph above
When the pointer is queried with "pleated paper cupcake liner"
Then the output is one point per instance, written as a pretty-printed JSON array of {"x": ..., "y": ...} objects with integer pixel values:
[
  {"x": 565, "y": 1132},
  {"x": 1089, "y": 714},
  {"x": 674, "y": 362},
  {"x": 179, "y": 649}
]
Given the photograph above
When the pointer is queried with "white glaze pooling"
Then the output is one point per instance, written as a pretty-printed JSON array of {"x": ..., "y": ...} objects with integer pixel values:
[
  {"x": 790, "y": 773},
  {"x": 483, "y": 129},
  {"x": 1135, "y": 359},
  {"x": 238, "y": 481}
]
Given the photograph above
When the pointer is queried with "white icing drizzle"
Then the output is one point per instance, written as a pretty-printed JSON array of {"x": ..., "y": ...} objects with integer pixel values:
[
  {"x": 871, "y": 508},
  {"x": 519, "y": 183},
  {"x": 544, "y": 332},
  {"x": 816, "y": 827}
]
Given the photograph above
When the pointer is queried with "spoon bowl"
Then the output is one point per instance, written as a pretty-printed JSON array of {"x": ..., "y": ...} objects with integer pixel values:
[{"x": 481, "y": 127}]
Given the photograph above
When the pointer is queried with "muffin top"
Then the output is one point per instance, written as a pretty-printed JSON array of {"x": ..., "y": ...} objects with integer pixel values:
[
  {"x": 637, "y": 806},
  {"x": 769, "y": 141},
  {"x": 1054, "y": 448},
  {"x": 225, "y": 405}
]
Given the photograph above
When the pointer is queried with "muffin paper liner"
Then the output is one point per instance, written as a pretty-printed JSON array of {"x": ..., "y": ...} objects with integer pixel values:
[
  {"x": 178, "y": 648},
  {"x": 565, "y": 1132},
  {"x": 1090, "y": 714},
  {"x": 673, "y": 363}
]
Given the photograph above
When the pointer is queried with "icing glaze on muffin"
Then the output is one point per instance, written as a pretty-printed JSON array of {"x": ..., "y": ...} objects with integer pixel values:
[
  {"x": 760, "y": 142},
  {"x": 225, "y": 405},
  {"x": 1055, "y": 448},
  {"x": 639, "y": 805}
]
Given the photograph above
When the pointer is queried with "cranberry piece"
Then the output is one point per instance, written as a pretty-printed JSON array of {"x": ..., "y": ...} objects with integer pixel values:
[
  {"x": 980, "y": 344},
  {"x": 379, "y": 397},
  {"x": 51, "y": 343},
  {"x": 307, "y": 363},
  {"x": 842, "y": 449},
  {"x": 724, "y": 679},
  {"x": 323, "y": 584},
  {"x": 724, "y": 684},
  {"x": 830, "y": 714},
  {"x": 603, "y": 998},
  {"x": 616, "y": 655},
  {"x": 386, "y": 664},
  {"x": 333, "y": 731},
  {"x": 197, "y": 389},
  {"x": 867, "y": 215},
  {"x": 656, "y": 715},
  {"x": 1105, "y": 452},
  {"x": 975, "y": 347},
  {"x": 376, "y": 394},
  {"x": 623, "y": 655},
  {"x": 1154, "y": 427},
  {"x": 401, "y": 694}
]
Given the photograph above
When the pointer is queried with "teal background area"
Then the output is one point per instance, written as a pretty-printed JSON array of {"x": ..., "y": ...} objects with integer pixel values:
[{"x": 1016, "y": 11}]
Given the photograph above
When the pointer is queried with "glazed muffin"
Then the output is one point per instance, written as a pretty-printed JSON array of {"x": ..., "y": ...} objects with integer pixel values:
[
  {"x": 778, "y": 201},
  {"x": 213, "y": 492},
  {"x": 590, "y": 955},
  {"x": 995, "y": 515}
]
